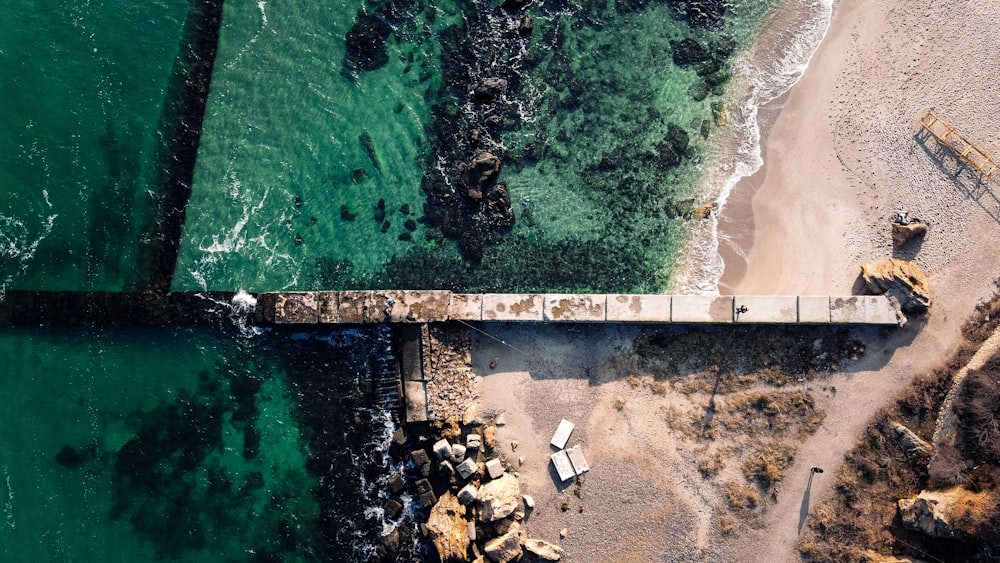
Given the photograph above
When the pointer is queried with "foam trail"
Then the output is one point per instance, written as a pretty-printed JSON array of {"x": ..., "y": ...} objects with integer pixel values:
[{"x": 771, "y": 67}]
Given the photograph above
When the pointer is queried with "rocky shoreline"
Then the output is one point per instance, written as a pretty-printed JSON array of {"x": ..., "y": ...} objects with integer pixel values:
[{"x": 462, "y": 484}]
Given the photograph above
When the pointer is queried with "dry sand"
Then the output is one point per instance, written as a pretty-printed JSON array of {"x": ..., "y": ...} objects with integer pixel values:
[{"x": 840, "y": 158}]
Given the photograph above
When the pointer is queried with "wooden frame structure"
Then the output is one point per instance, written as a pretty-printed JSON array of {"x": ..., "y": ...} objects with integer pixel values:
[{"x": 964, "y": 150}]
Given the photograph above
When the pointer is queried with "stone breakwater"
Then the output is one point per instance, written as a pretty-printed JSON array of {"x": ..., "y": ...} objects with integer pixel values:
[{"x": 426, "y": 306}]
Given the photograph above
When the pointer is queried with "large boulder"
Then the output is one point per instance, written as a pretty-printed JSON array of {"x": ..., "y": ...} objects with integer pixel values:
[
  {"x": 478, "y": 174},
  {"x": 954, "y": 513},
  {"x": 504, "y": 548},
  {"x": 913, "y": 445},
  {"x": 448, "y": 530},
  {"x": 489, "y": 89},
  {"x": 901, "y": 281},
  {"x": 904, "y": 233},
  {"x": 499, "y": 498},
  {"x": 543, "y": 549}
]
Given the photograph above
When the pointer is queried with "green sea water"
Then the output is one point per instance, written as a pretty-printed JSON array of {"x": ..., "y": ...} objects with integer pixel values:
[
  {"x": 83, "y": 88},
  {"x": 159, "y": 420},
  {"x": 281, "y": 154}
]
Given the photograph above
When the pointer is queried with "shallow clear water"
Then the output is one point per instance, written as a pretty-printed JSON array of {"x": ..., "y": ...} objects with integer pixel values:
[{"x": 282, "y": 152}]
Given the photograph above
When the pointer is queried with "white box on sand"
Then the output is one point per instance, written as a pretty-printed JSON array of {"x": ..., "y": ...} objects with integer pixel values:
[
  {"x": 561, "y": 436},
  {"x": 575, "y": 455},
  {"x": 563, "y": 467}
]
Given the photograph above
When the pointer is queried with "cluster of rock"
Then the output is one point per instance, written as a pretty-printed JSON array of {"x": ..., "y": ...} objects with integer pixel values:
[
  {"x": 472, "y": 500},
  {"x": 452, "y": 385},
  {"x": 465, "y": 198}
]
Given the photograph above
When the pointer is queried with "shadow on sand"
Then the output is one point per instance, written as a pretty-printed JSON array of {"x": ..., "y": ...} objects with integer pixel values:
[{"x": 804, "y": 507}]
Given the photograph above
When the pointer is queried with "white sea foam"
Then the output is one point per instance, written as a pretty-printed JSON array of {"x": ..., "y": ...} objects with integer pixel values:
[
  {"x": 8, "y": 503},
  {"x": 775, "y": 63}
]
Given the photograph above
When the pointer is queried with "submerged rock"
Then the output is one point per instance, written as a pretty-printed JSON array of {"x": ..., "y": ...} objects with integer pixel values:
[
  {"x": 688, "y": 52},
  {"x": 901, "y": 281},
  {"x": 478, "y": 174},
  {"x": 489, "y": 89},
  {"x": 499, "y": 211},
  {"x": 365, "y": 43}
]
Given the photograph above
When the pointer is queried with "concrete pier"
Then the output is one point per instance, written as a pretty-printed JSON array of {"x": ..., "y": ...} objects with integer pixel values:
[{"x": 424, "y": 306}]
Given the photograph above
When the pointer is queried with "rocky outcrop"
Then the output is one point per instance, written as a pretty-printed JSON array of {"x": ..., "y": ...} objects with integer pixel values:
[
  {"x": 504, "y": 548},
  {"x": 543, "y": 549},
  {"x": 447, "y": 528},
  {"x": 901, "y": 281},
  {"x": 904, "y": 233},
  {"x": 925, "y": 513},
  {"x": 953, "y": 513},
  {"x": 489, "y": 89},
  {"x": 477, "y": 175},
  {"x": 499, "y": 212},
  {"x": 499, "y": 498},
  {"x": 913, "y": 445}
]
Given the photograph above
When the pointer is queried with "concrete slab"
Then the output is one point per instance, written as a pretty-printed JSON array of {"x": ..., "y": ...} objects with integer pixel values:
[
  {"x": 495, "y": 468},
  {"x": 414, "y": 306},
  {"x": 633, "y": 308},
  {"x": 296, "y": 308},
  {"x": 328, "y": 307},
  {"x": 701, "y": 309},
  {"x": 352, "y": 306},
  {"x": 814, "y": 309},
  {"x": 580, "y": 465},
  {"x": 563, "y": 467},
  {"x": 465, "y": 307},
  {"x": 766, "y": 308},
  {"x": 862, "y": 309},
  {"x": 410, "y": 361},
  {"x": 416, "y": 400},
  {"x": 513, "y": 307},
  {"x": 575, "y": 308},
  {"x": 561, "y": 436}
]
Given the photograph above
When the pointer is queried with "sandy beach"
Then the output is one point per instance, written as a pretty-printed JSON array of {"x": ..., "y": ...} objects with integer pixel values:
[{"x": 841, "y": 157}]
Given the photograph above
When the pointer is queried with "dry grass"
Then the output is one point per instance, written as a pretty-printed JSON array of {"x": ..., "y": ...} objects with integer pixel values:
[
  {"x": 731, "y": 358},
  {"x": 744, "y": 499},
  {"x": 766, "y": 465},
  {"x": 775, "y": 413},
  {"x": 877, "y": 473},
  {"x": 710, "y": 465},
  {"x": 619, "y": 402}
]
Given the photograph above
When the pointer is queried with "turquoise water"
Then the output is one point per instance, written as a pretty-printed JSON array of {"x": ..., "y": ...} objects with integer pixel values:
[
  {"x": 215, "y": 443},
  {"x": 83, "y": 90},
  {"x": 159, "y": 420},
  {"x": 282, "y": 154}
]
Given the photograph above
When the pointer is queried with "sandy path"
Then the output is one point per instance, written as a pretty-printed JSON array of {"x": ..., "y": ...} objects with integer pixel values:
[{"x": 841, "y": 158}]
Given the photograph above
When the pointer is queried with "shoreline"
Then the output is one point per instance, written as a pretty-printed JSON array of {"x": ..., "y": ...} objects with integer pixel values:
[
  {"x": 842, "y": 158},
  {"x": 770, "y": 68}
]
